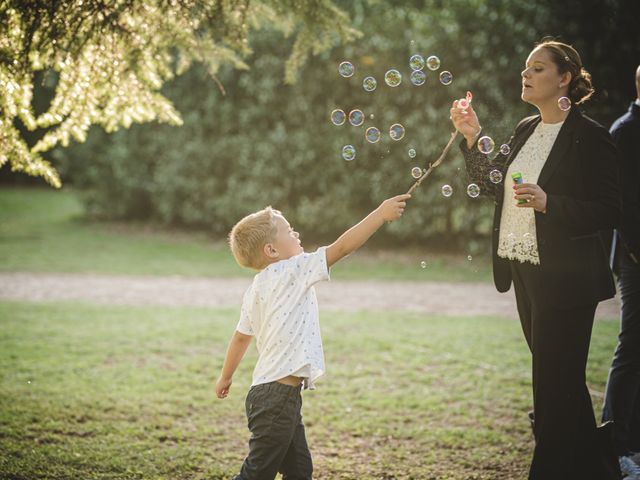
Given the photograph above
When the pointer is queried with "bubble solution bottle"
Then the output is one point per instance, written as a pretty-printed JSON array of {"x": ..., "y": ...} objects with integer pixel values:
[{"x": 517, "y": 179}]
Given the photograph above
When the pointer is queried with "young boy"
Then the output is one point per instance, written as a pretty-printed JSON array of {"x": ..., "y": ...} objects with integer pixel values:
[{"x": 281, "y": 311}]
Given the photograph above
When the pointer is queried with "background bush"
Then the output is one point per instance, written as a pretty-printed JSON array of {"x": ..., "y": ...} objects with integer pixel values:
[{"x": 266, "y": 143}]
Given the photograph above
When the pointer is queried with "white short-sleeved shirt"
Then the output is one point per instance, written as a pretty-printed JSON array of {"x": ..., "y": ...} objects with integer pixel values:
[{"x": 281, "y": 310}]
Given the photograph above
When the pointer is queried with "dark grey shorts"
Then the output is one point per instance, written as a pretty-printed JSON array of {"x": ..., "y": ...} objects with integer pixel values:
[{"x": 278, "y": 442}]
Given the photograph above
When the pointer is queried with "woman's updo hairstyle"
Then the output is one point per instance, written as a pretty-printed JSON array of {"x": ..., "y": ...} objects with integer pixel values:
[{"x": 567, "y": 60}]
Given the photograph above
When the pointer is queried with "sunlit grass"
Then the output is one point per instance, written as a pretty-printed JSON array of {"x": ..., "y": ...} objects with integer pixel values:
[
  {"x": 43, "y": 230},
  {"x": 121, "y": 392}
]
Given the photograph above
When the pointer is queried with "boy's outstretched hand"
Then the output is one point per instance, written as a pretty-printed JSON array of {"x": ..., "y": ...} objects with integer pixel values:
[
  {"x": 392, "y": 208},
  {"x": 222, "y": 387}
]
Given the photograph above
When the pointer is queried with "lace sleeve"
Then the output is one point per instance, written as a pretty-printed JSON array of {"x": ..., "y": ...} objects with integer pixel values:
[{"x": 479, "y": 165}]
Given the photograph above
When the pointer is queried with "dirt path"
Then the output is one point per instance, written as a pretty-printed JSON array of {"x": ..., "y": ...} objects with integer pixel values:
[{"x": 436, "y": 298}]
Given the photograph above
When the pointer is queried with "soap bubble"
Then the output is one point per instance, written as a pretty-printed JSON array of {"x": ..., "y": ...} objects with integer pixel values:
[
  {"x": 564, "y": 104},
  {"x": 433, "y": 62},
  {"x": 412, "y": 153},
  {"x": 338, "y": 117},
  {"x": 446, "y": 78},
  {"x": 371, "y": 116},
  {"x": 369, "y": 84},
  {"x": 473, "y": 190},
  {"x": 356, "y": 117},
  {"x": 469, "y": 258},
  {"x": 495, "y": 176},
  {"x": 423, "y": 264},
  {"x": 346, "y": 69},
  {"x": 416, "y": 62},
  {"x": 505, "y": 149},
  {"x": 447, "y": 191},
  {"x": 416, "y": 172},
  {"x": 396, "y": 131},
  {"x": 418, "y": 77},
  {"x": 393, "y": 78},
  {"x": 348, "y": 152},
  {"x": 372, "y": 134},
  {"x": 486, "y": 145}
]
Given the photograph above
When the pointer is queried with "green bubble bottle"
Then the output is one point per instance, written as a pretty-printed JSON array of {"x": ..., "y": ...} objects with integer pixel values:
[{"x": 517, "y": 179}]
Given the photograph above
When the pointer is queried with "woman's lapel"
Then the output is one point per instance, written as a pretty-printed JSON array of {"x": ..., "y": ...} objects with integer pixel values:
[{"x": 560, "y": 147}]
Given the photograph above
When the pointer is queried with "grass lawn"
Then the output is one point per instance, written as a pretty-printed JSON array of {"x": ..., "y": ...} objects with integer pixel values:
[
  {"x": 42, "y": 230},
  {"x": 91, "y": 392}
]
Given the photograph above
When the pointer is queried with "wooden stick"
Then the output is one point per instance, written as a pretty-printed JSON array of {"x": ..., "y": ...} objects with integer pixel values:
[{"x": 433, "y": 165}]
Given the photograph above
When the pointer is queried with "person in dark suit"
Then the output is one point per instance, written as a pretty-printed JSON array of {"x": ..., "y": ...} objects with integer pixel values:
[
  {"x": 622, "y": 397},
  {"x": 546, "y": 242}
]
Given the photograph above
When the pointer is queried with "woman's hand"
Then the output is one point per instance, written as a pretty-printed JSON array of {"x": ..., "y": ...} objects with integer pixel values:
[
  {"x": 466, "y": 122},
  {"x": 534, "y": 196}
]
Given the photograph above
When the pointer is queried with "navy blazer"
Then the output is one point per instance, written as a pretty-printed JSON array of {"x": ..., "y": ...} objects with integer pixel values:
[
  {"x": 580, "y": 178},
  {"x": 626, "y": 134}
]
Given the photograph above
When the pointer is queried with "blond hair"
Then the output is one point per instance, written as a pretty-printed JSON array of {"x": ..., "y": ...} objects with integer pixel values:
[{"x": 249, "y": 236}]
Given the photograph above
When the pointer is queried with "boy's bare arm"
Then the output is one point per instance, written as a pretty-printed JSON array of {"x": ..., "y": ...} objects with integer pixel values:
[
  {"x": 237, "y": 348},
  {"x": 389, "y": 210}
]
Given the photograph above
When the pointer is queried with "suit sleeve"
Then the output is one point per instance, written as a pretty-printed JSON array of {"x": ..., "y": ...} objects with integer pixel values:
[
  {"x": 479, "y": 166},
  {"x": 629, "y": 158},
  {"x": 601, "y": 208}
]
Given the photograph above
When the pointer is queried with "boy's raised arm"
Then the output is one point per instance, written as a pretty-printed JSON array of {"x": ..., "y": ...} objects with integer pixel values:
[
  {"x": 389, "y": 210},
  {"x": 237, "y": 348}
]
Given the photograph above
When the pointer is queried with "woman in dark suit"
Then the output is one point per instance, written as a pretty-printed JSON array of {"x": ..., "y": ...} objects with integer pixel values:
[{"x": 546, "y": 242}]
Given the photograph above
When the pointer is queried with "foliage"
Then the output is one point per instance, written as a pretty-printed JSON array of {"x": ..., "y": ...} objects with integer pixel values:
[
  {"x": 109, "y": 60},
  {"x": 249, "y": 140},
  {"x": 268, "y": 143}
]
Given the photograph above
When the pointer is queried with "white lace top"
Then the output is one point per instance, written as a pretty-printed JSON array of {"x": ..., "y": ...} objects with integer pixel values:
[{"x": 517, "y": 240}]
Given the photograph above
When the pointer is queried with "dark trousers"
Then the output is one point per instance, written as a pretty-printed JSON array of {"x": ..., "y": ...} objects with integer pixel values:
[
  {"x": 622, "y": 398},
  {"x": 278, "y": 442},
  {"x": 565, "y": 427}
]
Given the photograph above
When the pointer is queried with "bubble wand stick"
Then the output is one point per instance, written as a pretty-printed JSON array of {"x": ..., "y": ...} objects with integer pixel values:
[
  {"x": 463, "y": 103},
  {"x": 433, "y": 165}
]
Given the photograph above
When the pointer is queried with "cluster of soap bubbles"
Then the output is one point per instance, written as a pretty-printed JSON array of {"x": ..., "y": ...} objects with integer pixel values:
[
  {"x": 356, "y": 117},
  {"x": 393, "y": 77},
  {"x": 372, "y": 134},
  {"x": 418, "y": 76}
]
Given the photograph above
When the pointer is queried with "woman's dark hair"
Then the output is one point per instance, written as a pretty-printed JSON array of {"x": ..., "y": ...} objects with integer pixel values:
[{"x": 567, "y": 59}]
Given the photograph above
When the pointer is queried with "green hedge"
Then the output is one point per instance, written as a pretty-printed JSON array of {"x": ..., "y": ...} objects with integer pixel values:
[{"x": 265, "y": 143}]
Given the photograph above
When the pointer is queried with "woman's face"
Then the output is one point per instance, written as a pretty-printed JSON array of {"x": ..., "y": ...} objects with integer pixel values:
[{"x": 541, "y": 81}]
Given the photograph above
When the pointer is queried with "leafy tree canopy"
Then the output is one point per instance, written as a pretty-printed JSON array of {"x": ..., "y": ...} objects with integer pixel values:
[{"x": 111, "y": 58}]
